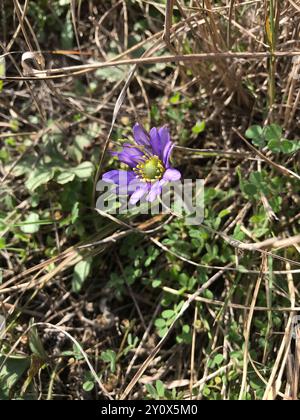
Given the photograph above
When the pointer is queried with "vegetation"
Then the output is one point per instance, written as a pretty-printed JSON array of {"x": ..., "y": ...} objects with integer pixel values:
[{"x": 148, "y": 307}]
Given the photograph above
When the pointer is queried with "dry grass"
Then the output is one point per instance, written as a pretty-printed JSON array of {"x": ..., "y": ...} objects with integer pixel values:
[{"x": 234, "y": 62}]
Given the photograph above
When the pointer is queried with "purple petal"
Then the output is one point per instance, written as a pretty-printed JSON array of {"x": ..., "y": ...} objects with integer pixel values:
[
  {"x": 140, "y": 135},
  {"x": 128, "y": 160},
  {"x": 161, "y": 144},
  {"x": 132, "y": 150},
  {"x": 155, "y": 141},
  {"x": 155, "y": 191},
  {"x": 172, "y": 175},
  {"x": 129, "y": 155},
  {"x": 120, "y": 178},
  {"x": 165, "y": 143},
  {"x": 164, "y": 135},
  {"x": 166, "y": 154},
  {"x": 139, "y": 193}
]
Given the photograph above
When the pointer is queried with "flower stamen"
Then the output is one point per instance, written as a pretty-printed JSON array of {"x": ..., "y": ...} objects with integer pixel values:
[{"x": 151, "y": 170}]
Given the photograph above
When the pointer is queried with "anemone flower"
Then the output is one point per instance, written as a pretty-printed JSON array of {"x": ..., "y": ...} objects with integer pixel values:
[{"x": 149, "y": 163}]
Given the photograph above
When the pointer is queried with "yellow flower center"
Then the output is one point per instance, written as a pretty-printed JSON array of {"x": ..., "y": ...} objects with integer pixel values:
[{"x": 151, "y": 170}]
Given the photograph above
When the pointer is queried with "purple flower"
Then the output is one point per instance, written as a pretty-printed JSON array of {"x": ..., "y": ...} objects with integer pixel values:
[{"x": 149, "y": 160}]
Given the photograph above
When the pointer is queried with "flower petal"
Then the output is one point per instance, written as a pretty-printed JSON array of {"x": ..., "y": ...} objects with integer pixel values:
[
  {"x": 166, "y": 154},
  {"x": 172, "y": 175},
  {"x": 165, "y": 143},
  {"x": 140, "y": 135},
  {"x": 130, "y": 155},
  {"x": 118, "y": 177},
  {"x": 155, "y": 191},
  {"x": 155, "y": 141},
  {"x": 139, "y": 193},
  {"x": 164, "y": 135}
]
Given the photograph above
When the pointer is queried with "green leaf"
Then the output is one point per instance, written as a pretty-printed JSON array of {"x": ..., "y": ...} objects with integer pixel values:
[
  {"x": 110, "y": 356},
  {"x": 32, "y": 224},
  {"x": 77, "y": 148},
  {"x": 199, "y": 127},
  {"x": 256, "y": 385},
  {"x": 11, "y": 371},
  {"x": 163, "y": 332},
  {"x": 250, "y": 189},
  {"x": 84, "y": 170},
  {"x": 14, "y": 124},
  {"x": 274, "y": 146},
  {"x": 156, "y": 283},
  {"x": 273, "y": 132},
  {"x": 38, "y": 178},
  {"x": 208, "y": 294},
  {"x": 289, "y": 146},
  {"x": 88, "y": 386},
  {"x": 218, "y": 359},
  {"x": 175, "y": 98},
  {"x": 168, "y": 313},
  {"x": 255, "y": 133},
  {"x": 25, "y": 167},
  {"x": 185, "y": 336},
  {"x": 160, "y": 323},
  {"x": 76, "y": 352},
  {"x": 206, "y": 391},
  {"x": 75, "y": 212},
  {"x": 186, "y": 329},
  {"x": 81, "y": 272},
  {"x": 65, "y": 177},
  {"x": 224, "y": 212},
  {"x": 151, "y": 390},
  {"x": 36, "y": 345},
  {"x": 160, "y": 388}
]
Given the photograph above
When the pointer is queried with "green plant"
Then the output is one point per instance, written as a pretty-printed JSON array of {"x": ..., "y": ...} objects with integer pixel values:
[{"x": 271, "y": 136}]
